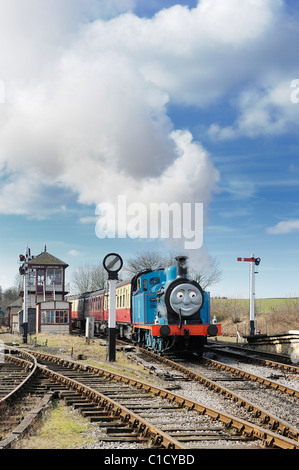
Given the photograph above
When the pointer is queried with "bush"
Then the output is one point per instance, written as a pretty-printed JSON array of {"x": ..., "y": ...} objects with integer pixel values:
[
  {"x": 286, "y": 316},
  {"x": 272, "y": 315},
  {"x": 234, "y": 309}
]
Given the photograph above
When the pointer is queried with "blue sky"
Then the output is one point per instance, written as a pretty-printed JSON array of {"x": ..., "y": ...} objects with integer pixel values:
[{"x": 161, "y": 101}]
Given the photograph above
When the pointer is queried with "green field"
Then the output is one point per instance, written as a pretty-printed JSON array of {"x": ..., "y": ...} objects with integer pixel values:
[
  {"x": 261, "y": 305},
  {"x": 279, "y": 314},
  {"x": 266, "y": 305}
]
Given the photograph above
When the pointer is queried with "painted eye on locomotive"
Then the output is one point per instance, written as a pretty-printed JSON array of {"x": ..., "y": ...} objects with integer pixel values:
[{"x": 184, "y": 297}]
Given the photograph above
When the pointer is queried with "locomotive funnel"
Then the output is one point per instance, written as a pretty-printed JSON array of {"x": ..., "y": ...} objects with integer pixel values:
[{"x": 182, "y": 266}]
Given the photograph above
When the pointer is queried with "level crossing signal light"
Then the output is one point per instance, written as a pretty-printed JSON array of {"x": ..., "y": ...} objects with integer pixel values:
[{"x": 22, "y": 258}]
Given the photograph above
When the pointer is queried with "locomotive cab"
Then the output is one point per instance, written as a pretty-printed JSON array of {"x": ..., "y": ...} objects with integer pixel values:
[{"x": 144, "y": 296}]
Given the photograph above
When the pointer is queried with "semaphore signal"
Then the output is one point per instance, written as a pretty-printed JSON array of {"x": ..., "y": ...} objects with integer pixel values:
[
  {"x": 254, "y": 262},
  {"x": 23, "y": 270}
]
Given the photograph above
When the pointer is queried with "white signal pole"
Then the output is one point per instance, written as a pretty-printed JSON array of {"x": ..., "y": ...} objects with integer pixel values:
[
  {"x": 254, "y": 262},
  {"x": 252, "y": 296},
  {"x": 112, "y": 319}
]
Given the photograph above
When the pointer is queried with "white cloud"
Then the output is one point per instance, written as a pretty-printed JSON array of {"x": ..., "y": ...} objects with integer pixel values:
[
  {"x": 87, "y": 91},
  {"x": 284, "y": 227},
  {"x": 261, "y": 111},
  {"x": 195, "y": 55},
  {"x": 88, "y": 220},
  {"x": 25, "y": 194},
  {"x": 74, "y": 253},
  {"x": 91, "y": 121}
]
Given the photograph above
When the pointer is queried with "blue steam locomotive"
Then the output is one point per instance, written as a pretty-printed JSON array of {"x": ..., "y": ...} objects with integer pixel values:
[{"x": 160, "y": 310}]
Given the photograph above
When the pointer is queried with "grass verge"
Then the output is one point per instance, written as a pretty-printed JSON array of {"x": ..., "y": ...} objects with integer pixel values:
[{"x": 61, "y": 428}]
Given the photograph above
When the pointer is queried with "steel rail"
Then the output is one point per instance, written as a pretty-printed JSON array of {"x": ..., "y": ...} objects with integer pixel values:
[
  {"x": 29, "y": 363},
  {"x": 276, "y": 424},
  {"x": 159, "y": 437},
  {"x": 255, "y": 378},
  {"x": 251, "y": 355},
  {"x": 115, "y": 409}
]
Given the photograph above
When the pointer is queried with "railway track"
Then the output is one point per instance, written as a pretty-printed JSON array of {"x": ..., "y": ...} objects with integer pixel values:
[
  {"x": 20, "y": 401},
  {"x": 273, "y": 360},
  {"x": 128, "y": 410},
  {"x": 133, "y": 411},
  {"x": 262, "y": 401}
]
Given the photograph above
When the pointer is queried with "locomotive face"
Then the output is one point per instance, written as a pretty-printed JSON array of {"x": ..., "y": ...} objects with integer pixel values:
[{"x": 187, "y": 298}]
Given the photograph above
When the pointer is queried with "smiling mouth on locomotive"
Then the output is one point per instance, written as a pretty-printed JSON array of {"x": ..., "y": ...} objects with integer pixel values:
[{"x": 186, "y": 298}]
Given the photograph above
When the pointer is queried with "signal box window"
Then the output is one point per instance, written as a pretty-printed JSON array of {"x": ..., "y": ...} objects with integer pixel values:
[
  {"x": 54, "y": 276},
  {"x": 51, "y": 317}
]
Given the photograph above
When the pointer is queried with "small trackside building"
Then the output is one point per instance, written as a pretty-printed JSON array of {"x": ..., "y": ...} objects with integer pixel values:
[
  {"x": 53, "y": 317},
  {"x": 13, "y": 310},
  {"x": 46, "y": 293}
]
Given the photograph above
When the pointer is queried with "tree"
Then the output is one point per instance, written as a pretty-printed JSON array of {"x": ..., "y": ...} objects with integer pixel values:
[
  {"x": 208, "y": 274},
  {"x": 19, "y": 282},
  {"x": 148, "y": 260},
  {"x": 205, "y": 273},
  {"x": 89, "y": 278},
  {"x": 8, "y": 296}
]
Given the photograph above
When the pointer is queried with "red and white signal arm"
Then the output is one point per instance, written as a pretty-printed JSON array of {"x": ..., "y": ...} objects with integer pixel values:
[{"x": 252, "y": 260}]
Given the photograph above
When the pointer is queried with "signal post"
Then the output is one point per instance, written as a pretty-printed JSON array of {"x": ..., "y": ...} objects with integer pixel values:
[
  {"x": 113, "y": 264},
  {"x": 24, "y": 270},
  {"x": 254, "y": 262}
]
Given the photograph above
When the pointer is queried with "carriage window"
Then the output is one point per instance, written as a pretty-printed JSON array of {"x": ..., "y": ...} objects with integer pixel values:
[{"x": 126, "y": 298}]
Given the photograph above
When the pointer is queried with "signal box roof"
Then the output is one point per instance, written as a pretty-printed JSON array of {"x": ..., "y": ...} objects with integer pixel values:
[{"x": 46, "y": 259}]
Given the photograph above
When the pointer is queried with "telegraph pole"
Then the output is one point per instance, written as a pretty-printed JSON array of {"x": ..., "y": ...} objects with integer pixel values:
[
  {"x": 113, "y": 264},
  {"x": 254, "y": 262}
]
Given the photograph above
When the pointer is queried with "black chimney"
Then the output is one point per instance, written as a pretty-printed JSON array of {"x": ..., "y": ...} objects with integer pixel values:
[{"x": 182, "y": 266}]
